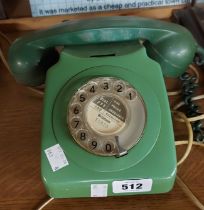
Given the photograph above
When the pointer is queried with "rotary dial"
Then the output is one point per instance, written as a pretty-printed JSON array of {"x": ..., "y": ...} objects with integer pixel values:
[{"x": 106, "y": 116}]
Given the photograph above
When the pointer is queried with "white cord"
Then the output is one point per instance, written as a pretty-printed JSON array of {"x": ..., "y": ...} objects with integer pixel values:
[
  {"x": 199, "y": 97},
  {"x": 45, "y": 204}
]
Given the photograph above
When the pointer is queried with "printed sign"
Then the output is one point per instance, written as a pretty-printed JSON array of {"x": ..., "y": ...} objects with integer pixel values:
[{"x": 60, "y": 7}]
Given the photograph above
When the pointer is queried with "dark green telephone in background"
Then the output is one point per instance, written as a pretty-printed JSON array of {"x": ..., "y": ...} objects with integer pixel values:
[{"x": 107, "y": 126}]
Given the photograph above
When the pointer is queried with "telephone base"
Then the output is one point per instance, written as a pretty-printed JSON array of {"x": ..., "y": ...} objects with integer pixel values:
[{"x": 149, "y": 167}]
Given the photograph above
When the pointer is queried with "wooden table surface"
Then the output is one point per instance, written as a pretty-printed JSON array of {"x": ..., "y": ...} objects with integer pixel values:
[{"x": 21, "y": 185}]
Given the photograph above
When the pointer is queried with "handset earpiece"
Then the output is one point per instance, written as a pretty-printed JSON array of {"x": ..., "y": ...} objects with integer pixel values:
[
  {"x": 172, "y": 53},
  {"x": 29, "y": 64},
  {"x": 171, "y": 45}
]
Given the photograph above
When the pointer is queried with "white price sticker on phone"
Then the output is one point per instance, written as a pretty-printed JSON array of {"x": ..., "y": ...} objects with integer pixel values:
[
  {"x": 56, "y": 157},
  {"x": 134, "y": 185}
]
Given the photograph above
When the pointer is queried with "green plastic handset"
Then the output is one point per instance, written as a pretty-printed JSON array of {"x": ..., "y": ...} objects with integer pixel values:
[
  {"x": 171, "y": 45},
  {"x": 107, "y": 127}
]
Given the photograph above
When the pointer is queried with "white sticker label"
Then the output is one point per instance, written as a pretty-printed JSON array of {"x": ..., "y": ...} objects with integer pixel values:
[
  {"x": 56, "y": 157},
  {"x": 99, "y": 190},
  {"x": 128, "y": 186}
]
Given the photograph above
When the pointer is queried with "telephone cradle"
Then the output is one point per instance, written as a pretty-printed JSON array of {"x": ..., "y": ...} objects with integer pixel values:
[{"x": 107, "y": 127}]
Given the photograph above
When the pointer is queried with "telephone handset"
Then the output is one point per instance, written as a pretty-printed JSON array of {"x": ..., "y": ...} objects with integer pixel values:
[
  {"x": 171, "y": 45},
  {"x": 106, "y": 106}
]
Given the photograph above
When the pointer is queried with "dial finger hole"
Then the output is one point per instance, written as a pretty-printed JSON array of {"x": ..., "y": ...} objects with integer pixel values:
[
  {"x": 82, "y": 97},
  {"x": 105, "y": 85},
  {"x": 119, "y": 86},
  {"x": 82, "y": 135},
  {"x": 93, "y": 144},
  {"x": 108, "y": 147},
  {"x": 75, "y": 109},
  {"x": 130, "y": 94},
  {"x": 76, "y": 123},
  {"x": 92, "y": 88}
]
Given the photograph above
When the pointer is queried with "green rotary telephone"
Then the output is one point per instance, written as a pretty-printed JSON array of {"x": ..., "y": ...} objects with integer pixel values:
[{"x": 107, "y": 127}]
